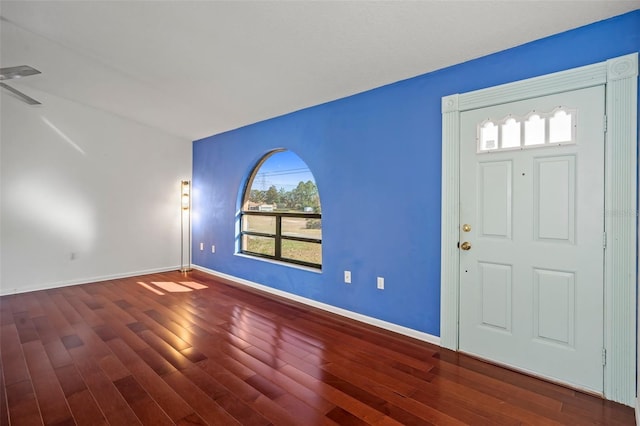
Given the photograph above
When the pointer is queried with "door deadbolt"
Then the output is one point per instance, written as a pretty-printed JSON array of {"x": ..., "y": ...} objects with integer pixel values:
[
  {"x": 465, "y": 246},
  {"x": 466, "y": 227}
]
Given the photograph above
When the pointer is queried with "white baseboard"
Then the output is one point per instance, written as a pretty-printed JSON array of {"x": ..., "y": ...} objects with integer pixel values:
[
  {"x": 325, "y": 307},
  {"x": 638, "y": 411},
  {"x": 7, "y": 291}
]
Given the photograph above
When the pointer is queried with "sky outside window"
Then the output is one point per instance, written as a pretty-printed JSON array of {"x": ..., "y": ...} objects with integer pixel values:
[{"x": 283, "y": 170}]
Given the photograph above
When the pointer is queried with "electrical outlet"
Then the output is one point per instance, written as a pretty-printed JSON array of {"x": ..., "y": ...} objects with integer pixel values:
[
  {"x": 347, "y": 277},
  {"x": 380, "y": 283},
  {"x": 201, "y": 246},
  {"x": 213, "y": 249}
]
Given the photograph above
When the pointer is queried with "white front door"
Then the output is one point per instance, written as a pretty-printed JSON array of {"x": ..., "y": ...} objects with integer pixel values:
[{"x": 531, "y": 234}]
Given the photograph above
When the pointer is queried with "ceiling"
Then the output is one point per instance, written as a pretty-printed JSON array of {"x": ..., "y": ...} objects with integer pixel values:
[{"x": 197, "y": 68}]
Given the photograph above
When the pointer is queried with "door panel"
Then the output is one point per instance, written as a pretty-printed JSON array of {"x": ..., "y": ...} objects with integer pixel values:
[
  {"x": 531, "y": 273},
  {"x": 554, "y": 306},
  {"x": 495, "y": 282},
  {"x": 554, "y": 198},
  {"x": 495, "y": 199}
]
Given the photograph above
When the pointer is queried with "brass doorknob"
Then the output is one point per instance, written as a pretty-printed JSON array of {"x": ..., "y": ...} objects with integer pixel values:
[
  {"x": 465, "y": 246},
  {"x": 466, "y": 227}
]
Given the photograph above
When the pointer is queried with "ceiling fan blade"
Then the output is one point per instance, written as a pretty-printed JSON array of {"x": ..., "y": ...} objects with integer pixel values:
[
  {"x": 20, "y": 95},
  {"x": 17, "y": 72}
]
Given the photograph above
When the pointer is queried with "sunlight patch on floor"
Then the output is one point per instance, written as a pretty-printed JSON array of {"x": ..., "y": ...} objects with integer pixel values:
[
  {"x": 172, "y": 287},
  {"x": 195, "y": 286},
  {"x": 148, "y": 287}
]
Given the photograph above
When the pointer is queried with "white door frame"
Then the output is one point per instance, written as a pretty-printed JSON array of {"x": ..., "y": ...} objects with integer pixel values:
[{"x": 620, "y": 77}]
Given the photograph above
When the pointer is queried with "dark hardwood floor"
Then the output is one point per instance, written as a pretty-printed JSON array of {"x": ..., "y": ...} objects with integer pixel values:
[{"x": 123, "y": 353}]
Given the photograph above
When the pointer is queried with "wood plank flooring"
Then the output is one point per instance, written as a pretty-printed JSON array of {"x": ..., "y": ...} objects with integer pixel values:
[{"x": 187, "y": 349}]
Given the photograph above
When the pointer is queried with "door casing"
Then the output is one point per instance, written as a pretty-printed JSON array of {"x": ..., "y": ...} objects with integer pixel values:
[{"x": 620, "y": 77}]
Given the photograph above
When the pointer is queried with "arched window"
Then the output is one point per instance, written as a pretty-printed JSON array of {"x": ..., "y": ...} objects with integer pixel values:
[{"x": 281, "y": 217}]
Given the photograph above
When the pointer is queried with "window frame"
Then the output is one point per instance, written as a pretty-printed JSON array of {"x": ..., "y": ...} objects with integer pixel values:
[{"x": 278, "y": 236}]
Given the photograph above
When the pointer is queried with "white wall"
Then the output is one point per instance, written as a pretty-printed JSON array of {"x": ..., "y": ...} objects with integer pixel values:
[{"x": 85, "y": 195}]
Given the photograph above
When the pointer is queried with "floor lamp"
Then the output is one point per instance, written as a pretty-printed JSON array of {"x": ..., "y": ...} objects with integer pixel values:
[{"x": 185, "y": 213}]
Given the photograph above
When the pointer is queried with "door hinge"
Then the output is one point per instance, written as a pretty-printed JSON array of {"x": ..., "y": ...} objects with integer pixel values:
[
  {"x": 604, "y": 356},
  {"x": 604, "y": 240},
  {"x": 605, "y": 124}
]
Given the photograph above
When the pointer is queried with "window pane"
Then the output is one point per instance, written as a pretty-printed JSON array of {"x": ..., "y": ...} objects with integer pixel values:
[
  {"x": 282, "y": 183},
  {"x": 511, "y": 134},
  {"x": 534, "y": 130},
  {"x": 281, "y": 187},
  {"x": 301, "y": 227},
  {"x": 488, "y": 137},
  {"x": 300, "y": 250},
  {"x": 560, "y": 126},
  {"x": 261, "y": 245},
  {"x": 264, "y": 224}
]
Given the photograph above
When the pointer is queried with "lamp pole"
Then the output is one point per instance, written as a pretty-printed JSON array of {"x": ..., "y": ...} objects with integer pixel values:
[{"x": 185, "y": 212}]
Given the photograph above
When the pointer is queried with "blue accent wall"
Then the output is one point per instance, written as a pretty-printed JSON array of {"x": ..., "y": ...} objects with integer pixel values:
[{"x": 376, "y": 157}]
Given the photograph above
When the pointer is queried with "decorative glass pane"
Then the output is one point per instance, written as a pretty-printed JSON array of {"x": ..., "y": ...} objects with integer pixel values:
[
  {"x": 511, "y": 134},
  {"x": 263, "y": 224},
  {"x": 488, "y": 136},
  {"x": 540, "y": 129},
  {"x": 534, "y": 130},
  {"x": 302, "y": 227},
  {"x": 302, "y": 250},
  {"x": 560, "y": 127},
  {"x": 260, "y": 245}
]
